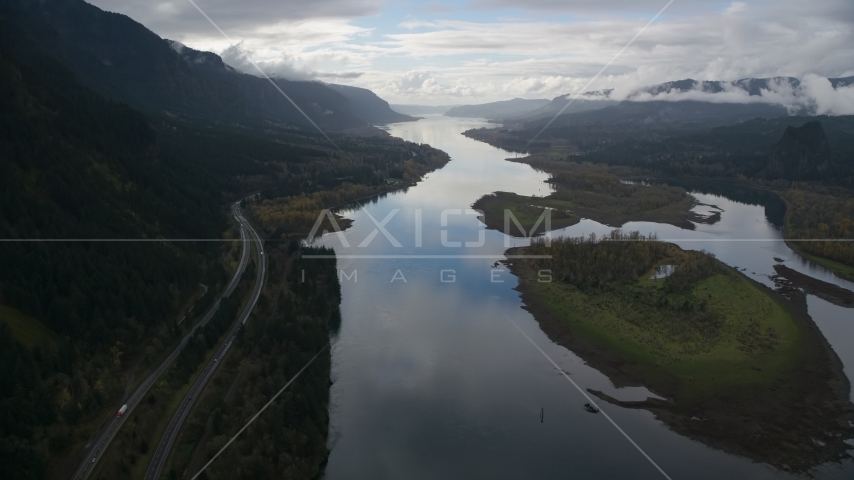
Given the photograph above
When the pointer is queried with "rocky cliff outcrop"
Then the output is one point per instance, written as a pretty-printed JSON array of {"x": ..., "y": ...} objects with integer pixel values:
[{"x": 801, "y": 154}]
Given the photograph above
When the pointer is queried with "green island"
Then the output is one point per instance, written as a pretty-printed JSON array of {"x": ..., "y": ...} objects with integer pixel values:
[
  {"x": 740, "y": 367},
  {"x": 583, "y": 191}
]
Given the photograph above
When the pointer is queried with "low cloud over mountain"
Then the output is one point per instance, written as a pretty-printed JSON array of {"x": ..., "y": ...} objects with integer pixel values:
[{"x": 813, "y": 95}]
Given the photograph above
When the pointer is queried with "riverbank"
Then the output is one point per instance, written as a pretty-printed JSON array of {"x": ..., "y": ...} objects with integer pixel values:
[
  {"x": 845, "y": 272},
  {"x": 290, "y": 325},
  {"x": 296, "y": 216},
  {"x": 799, "y": 212},
  {"x": 779, "y": 398},
  {"x": 791, "y": 224}
]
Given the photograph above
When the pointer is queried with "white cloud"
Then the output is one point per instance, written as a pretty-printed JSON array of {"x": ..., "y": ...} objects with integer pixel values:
[
  {"x": 294, "y": 40},
  {"x": 281, "y": 65},
  {"x": 828, "y": 101},
  {"x": 548, "y": 58},
  {"x": 735, "y": 7},
  {"x": 547, "y": 48},
  {"x": 179, "y": 19},
  {"x": 411, "y": 24}
]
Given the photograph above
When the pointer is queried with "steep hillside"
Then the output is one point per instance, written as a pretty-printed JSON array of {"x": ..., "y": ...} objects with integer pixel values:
[
  {"x": 78, "y": 169},
  {"x": 802, "y": 153},
  {"x": 77, "y": 166},
  {"x": 122, "y": 59},
  {"x": 368, "y": 107}
]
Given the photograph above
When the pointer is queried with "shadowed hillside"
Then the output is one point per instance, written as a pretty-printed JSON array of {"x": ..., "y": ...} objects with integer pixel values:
[{"x": 122, "y": 59}]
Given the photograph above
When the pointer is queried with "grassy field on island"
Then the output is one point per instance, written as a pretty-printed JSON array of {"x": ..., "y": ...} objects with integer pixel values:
[
  {"x": 740, "y": 367},
  {"x": 753, "y": 340}
]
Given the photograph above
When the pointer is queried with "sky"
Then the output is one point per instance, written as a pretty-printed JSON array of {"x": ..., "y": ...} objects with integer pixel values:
[{"x": 440, "y": 52}]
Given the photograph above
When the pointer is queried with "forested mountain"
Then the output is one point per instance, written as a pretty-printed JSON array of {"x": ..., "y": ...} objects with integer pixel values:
[
  {"x": 627, "y": 121},
  {"x": 639, "y": 118},
  {"x": 740, "y": 149},
  {"x": 368, "y": 107},
  {"x": 77, "y": 168},
  {"x": 122, "y": 59},
  {"x": 497, "y": 110},
  {"x": 801, "y": 154}
]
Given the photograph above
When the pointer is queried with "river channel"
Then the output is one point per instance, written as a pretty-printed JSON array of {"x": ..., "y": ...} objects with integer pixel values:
[{"x": 433, "y": 374}]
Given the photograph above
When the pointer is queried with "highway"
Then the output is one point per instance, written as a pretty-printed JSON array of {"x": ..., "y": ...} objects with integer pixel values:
[
  {"x": 161, "y": 454},
  {"x": 101, "y": 440}
]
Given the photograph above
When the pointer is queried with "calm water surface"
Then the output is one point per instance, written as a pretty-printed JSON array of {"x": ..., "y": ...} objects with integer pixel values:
[{"x": 432, "y": 377}]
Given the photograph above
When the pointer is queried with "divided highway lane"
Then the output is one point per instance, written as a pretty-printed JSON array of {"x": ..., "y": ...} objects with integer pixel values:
[
  {"x": 158, "y": 461},
  {"x": 102, "y": 438}
]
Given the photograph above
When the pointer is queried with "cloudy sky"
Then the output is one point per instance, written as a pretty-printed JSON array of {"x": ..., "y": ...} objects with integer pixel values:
[{"x": 450, "y": 52}]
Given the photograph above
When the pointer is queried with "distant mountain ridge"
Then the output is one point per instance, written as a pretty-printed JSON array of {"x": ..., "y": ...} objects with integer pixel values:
[
  {"x": 753, "y": 87},
  {"x": 502, "y": 109},
  {"x": 422, "y": 109},
  {"x": 582, "y": 103},
  {"x": 683, "y": 114},
  {"x": 841, "y": 82},
  {"x": 367, "y": 106}
]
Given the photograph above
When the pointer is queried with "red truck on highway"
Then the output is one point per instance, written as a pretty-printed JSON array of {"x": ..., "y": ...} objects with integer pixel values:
[{"x": 121, "y": 411}]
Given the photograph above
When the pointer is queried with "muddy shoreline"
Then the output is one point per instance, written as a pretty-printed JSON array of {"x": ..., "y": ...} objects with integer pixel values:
[
  {"x": 795, "y": 424},
  {"x": 788, "y": 280}
]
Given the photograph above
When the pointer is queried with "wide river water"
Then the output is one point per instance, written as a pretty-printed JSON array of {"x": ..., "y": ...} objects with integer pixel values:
[{"x": 433, "y": 375}]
